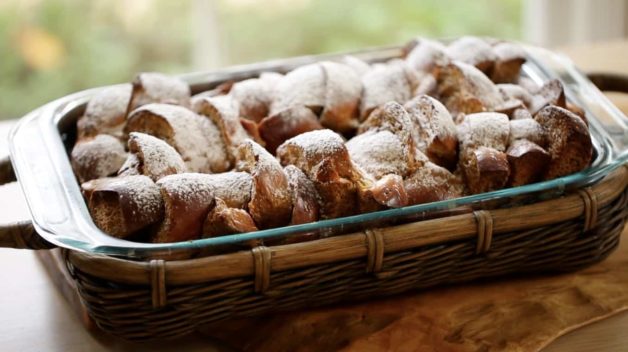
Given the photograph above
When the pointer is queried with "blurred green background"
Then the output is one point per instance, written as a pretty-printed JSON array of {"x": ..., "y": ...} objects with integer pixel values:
[{"x": 49, "y": 48}]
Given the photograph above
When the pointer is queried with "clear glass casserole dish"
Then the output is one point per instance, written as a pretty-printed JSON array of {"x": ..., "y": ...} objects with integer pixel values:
[{"x": 40, "y": 143}]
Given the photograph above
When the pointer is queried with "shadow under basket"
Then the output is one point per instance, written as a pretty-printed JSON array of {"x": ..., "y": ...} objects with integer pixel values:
[{"x": 161, "y": 299}]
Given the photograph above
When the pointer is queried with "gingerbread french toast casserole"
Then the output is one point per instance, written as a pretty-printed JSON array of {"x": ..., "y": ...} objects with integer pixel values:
[{"x": 325, "y": 140}]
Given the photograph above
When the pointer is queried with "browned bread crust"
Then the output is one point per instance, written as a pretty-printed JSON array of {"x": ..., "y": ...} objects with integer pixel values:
[
  {"x": 97, "y": 157},
  {"x": 153, "y": 87},
  {"x": 271, "y": 203},
  {"x": 196, "y": 138},
  {"x": 188, "y": 198},
  {"x": 434, "y": 130},
  {"x": 285, "y": 124},
  {"x": 124, "y": 205},
  {"x": 222, "y": 220},
  {"x": 569, "y": 142},
  {"x": 105, "y": 113},
  {"x": 485, "y": 169},
  {"x": 528, "y": 162},
  {"x": 151, "y": 157}
]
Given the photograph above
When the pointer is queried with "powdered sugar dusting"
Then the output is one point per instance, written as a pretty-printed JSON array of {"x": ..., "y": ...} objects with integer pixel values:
[
  {"x": 157, "y": 158},
  {"x": 527, "y": 129},
  {"x": 303, "y": 86},
  {"x": 488, "y": 129},
  {"x": 105, "y": 112},
  {"x": 153, "y": 87},
  {"x": 384, "y": 83},
  {"x": 98, "y": 157},
  {"x": 430, "y": 119},
  {"x": 378, "y": 153},
  {"x": 471, "y": 50}
]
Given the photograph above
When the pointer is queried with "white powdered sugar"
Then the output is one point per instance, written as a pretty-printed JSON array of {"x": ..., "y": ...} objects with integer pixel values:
[
  {"x": 471, "y": 50},
  {"x": 427, "y": 54},
  {"x": 153, "y": 87},
  {"x": 513, "y": 91},
  {"x": 193, "y": 136},
  {"x": 488, "y": 129},
  {"x": 188, "y": 188},
  {"x": 384, "y": 83},
  {"x": 342, "y": 96},
  {"x": 358, "y": 66},
  {"x": 318, "y": 144},
  {"x": 98, "y": 157},
  {"x": 234, "y": 188},
  {"x": 140, "y": 192},
  {"x": 506, "y": 51},
  {"x": 430, "y": 119},
  {"x": 105, "y": 112},
  {"x": 157, "y": 158},
  {"x": 254, "y": 97},
  {"x": 527, "y": 129},
  {"x": 479, "y": 85},
  {"x": 303, "y": 86},
  {"x": 378, "y": 153}
]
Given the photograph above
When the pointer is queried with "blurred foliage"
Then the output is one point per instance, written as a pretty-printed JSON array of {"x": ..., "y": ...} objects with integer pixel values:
[{"x": 49, "y": 48}]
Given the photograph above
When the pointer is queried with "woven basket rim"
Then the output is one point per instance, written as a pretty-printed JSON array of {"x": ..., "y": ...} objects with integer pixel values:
[{"x": 367, "y": 244}]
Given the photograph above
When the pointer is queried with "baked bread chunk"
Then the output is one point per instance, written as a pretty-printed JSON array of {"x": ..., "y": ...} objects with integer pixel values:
[
  {"x": 434, "y": 130},
  {"x": 153, "y": 87},
  {"x": 122, "y": 206},
  {"x": 271, "y": 203},
  {"x": 97, "y": 157},
  {"x": 283, "y": 125},
  {"x": 188, "y": 198},
  {"x": 197, "y": 139},
  {"x": 151, "y": 157},
  {"x": 105, "y": 113},
  {"x": 569, "y": 141}
]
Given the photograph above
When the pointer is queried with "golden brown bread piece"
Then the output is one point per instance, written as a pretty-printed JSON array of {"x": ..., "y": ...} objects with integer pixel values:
[
  {"x": 188, "y": 198},
  {"x": 380, "y": 153},
  {"x": 223, "y": 112},
  {"x": 473, "y": 51},
  {"x": 516, "y": 92},
  {"x": 303, "y": 86},
  {"x": 434, "y": 130},
  {"x": 569, "y": 141},
  {"x": 196, "y": 138},
  {"x": 390, "y": 191},
  {"x": 232, "y": 187},
  {"x": 223, "y": 220},
  {"x": 550, "y": 93},
  {"x": 153, "y": 87},
  {"x": 509, "y": 57},
  {"x": 323, "y": 157},
  {"x": 485, "y": 169},
  {"x": 97, "y": 157},
  {"x": 305, "y": 208},
  {"x": 271, "y": 203},
  {"x": 105, "y": 113},
  {"x": 254, "y": 97},
  {"x": 122, "y": 206},
  {"x": 528, "y": 162},
  {"x": 465, "y": 89},
  {"x": 527, "y": 129},
  {"x": 283, "y": 125},
  {"x": 426, "y": 54},
  {"x": 382, "y": 84},
  {"x": 343, "y": 89},
  {"x": 151, "y": 157},
  {"x": 394, "y": 118},
  {"x": 432, "y": 183},
  {"x": 488, "y": 129},
  {"x": 252, "y": 130}
]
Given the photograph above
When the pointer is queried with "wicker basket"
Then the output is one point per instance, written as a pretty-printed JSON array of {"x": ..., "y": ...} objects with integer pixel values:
[{"x": 143, "y": 300}]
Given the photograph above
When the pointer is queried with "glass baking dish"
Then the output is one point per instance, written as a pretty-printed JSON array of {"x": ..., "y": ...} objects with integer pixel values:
[{"x": 40, "y": 143}]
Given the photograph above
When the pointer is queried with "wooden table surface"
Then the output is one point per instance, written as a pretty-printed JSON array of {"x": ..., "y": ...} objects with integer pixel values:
[{"x": 35, "y": 317}]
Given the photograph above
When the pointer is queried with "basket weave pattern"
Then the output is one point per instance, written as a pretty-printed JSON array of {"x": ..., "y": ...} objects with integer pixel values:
[{"x": 150, "y": 311}]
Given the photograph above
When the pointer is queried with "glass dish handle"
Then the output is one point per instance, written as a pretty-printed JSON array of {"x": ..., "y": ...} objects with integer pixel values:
[{"x": 19, "y": 234}]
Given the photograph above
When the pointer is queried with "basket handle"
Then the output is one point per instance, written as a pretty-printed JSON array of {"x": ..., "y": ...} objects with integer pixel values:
[
  {"x": 614, "y": 82},
  {"x": 20, "y": 234}
]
